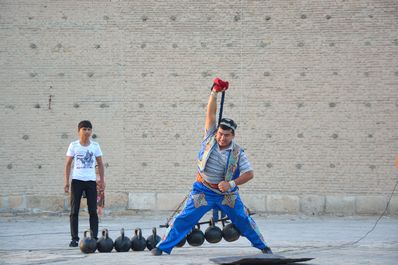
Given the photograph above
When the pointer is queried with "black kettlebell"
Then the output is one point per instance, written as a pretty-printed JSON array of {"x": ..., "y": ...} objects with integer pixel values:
[
  {"x": 213, "y": 234},
  {"x": 138, "y": 243},
  {"x": 122, "y": 243},
  {"x": 230, "y": 233},
  {"x": 105, "y": 243},
  {"x": 196, "y": 237},
  {"x": 88, "y": 244},
  {"x": 152, "y": 240},
  {"x": 182, "y": 242}
]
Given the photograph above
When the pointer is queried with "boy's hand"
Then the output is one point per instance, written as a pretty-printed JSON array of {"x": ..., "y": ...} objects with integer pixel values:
[
  {"x": 101, "y": 185},
  {"x": 66, "y": 188}
]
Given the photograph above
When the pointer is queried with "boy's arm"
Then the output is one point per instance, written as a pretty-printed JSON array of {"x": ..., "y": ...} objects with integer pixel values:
[
  {"x": 101, "y": 171},
  {"x": 68, "y": 167}
]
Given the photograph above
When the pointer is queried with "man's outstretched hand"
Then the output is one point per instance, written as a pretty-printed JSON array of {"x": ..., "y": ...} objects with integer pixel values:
[{"x": 220, "y": 85}]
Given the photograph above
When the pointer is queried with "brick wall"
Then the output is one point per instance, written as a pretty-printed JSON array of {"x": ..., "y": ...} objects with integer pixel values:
[{"x": 313, "y": 90}]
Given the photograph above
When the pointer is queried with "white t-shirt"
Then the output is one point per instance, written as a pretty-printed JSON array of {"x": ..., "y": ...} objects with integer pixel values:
[{"x": 84, "y": 160}]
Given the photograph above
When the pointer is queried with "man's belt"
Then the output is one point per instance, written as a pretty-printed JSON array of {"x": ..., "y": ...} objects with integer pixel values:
[{"x": 200, "y": 179}]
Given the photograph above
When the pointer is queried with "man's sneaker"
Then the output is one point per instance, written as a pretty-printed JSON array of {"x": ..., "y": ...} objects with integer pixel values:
[
  {"x": 156, "y": 252},
  {"x": 266, "y": 250},
  {"x": 73, "y": 244}
]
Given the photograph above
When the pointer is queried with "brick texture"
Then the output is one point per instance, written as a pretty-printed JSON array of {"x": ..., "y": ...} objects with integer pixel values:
[{"x": 313, "y": 90}]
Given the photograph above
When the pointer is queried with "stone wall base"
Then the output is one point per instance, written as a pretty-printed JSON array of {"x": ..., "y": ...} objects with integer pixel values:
[{"x": 313, "y": 205}]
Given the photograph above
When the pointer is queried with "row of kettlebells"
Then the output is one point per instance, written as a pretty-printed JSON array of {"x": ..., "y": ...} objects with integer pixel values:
[
  {"x": 122, "y": 244},
  {"x": 195, "y": 237},
  {"x": 213, "y": 234}
]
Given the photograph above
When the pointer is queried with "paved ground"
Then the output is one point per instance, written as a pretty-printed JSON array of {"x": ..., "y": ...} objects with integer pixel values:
[{"x": 45, "y": 239}]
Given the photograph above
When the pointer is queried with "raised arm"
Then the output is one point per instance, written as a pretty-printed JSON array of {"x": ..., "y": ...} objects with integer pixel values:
[
  {"x": 218, "y": 86},
  {"x": 211, "y": 110}
]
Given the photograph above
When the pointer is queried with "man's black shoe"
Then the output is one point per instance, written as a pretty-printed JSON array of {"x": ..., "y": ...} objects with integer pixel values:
[
  {"x": 73, "y": 244},
  {"x": 266, "y": 250},
  {"x": 156, "y": 252}
]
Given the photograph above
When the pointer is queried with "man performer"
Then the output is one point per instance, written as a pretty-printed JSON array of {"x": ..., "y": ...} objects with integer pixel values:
[{"x": 222, "y": 167}]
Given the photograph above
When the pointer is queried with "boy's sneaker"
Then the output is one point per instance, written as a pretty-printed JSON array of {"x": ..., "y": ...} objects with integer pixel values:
[
  {"x": 73, "y": 244},
  {"x": 156, "y": 252},
  {"x": 266, "y": 250}
]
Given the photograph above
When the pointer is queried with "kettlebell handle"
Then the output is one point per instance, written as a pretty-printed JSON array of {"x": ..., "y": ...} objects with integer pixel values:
[
  {"x": 105, "y": 233},
  {"x": 122, "y": 232},
  {"x": 91, "y": 233}
]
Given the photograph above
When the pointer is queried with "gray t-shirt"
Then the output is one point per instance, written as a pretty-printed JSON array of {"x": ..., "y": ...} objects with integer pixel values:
[{"x": 215, "y": 168}]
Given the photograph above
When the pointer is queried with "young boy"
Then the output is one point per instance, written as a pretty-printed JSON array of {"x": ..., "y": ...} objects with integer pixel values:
[{"x": 85, "y": 154}]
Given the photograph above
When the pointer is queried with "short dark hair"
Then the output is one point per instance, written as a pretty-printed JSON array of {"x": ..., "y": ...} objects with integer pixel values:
[
  {"x": 84, "y": 124},
  {"x": 228, "y": 124}
]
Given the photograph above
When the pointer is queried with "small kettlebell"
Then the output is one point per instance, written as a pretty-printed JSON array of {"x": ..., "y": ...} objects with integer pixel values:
[
  {"x": 152, "y": 240},
  {"x": 138, "y": 243},
  {"x": 182, "y": 242},
  {"x": 196, "y": 237},
  {"x": 213, "y": 234},
  {"x": 105, "y": 243},
  {"x": 230, "y": 233},
  {"x": 88, "y": 244},
  {"x": 122, "y": 243}
]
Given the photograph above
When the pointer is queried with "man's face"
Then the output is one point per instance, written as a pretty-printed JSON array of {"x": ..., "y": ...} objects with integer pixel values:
[
  {"x": 85, "y": 132},
  {"x": 224, "y": 137}
]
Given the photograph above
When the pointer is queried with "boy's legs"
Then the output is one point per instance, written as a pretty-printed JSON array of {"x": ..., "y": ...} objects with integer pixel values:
[
  {"x": 91, "y": 192},
  {"x": 76, "y": 191}
]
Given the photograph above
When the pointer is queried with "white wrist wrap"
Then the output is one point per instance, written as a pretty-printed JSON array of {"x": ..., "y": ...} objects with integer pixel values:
[{"x": 232, "y": 184}]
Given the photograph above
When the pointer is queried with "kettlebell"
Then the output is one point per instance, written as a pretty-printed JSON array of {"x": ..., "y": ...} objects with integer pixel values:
[
  {"x": 88, "y": 244},
  {"x": 182, "y": 242},
  {"x": 230, "y": 233},
  {"x": 122, "y": 243},
  {"x": 213, "y": 234},
  {"x": 152, "y": 240},
  {"x": 105, "y": 243},
  {"x": 196, "y": 237},
  {"x": 138, "y": 243}
]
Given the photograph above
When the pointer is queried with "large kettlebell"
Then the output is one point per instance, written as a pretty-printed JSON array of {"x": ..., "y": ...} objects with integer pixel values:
[
  {"x": 182, "y": 242},
  {"x": 105, "y": 243},
  {"x": 138, "y": 243},
  {"x": 88, "y": 244},
  {"x": 196, "y": 237},
  {"x": 122, "y": 243},
  {"x": 230, "y": 233},
  {"x": 152, "y": 240},
  {"x": 213, "y": 234}
]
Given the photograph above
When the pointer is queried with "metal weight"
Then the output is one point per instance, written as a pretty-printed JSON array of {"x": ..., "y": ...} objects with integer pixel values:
[
  {"x": 88, "y": 244},
  {"x": 138, "y": 243},
  {"x": 196, "y": 237},
  {"x": 182, "y": 242},
  {"x": 105, "y": 243},
  {"x": 152, "y": 240},
  {"x": 230, "y": 233},
  {"x": 122, "y": 243},
  {"x": 213, "y": 234}
]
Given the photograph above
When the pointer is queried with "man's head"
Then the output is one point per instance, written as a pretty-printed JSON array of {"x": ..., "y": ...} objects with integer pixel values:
[
  {"x": 85, "y": 128},
  {"x": 225, "y": 132}
]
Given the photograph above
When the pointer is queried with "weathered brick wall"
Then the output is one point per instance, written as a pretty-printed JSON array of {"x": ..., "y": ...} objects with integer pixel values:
[{"x": 313, "y": 90}]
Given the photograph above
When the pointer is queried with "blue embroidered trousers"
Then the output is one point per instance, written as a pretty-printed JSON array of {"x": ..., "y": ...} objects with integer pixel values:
[{"x": 201, "y": 200}]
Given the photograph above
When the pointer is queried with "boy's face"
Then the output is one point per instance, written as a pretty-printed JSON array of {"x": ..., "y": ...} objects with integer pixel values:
[{"x": 85, "y": 132}]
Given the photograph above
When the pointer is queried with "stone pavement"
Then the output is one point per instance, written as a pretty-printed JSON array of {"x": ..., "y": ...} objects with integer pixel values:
[{"x": 44, "y": 239}]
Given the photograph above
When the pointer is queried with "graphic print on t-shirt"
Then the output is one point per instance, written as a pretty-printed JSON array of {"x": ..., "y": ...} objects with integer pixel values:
[{"x": 85, "y": 161}]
